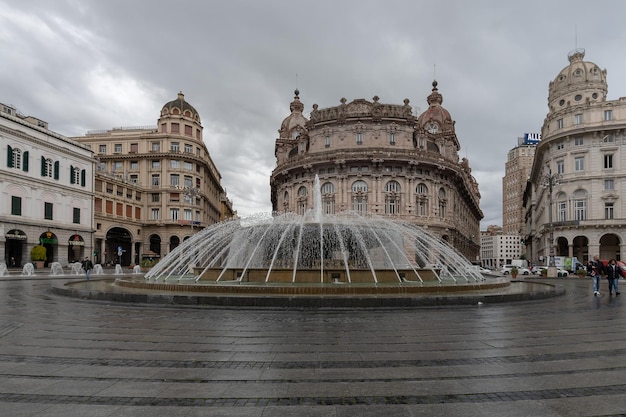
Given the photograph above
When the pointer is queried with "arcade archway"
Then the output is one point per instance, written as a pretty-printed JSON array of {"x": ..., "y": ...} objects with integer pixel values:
[{"x": 119, "y": 246}]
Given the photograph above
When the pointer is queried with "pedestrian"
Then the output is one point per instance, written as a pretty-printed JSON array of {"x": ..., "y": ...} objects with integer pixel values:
[
  {"x": 613, "y": 272},
  {"x": 595, "y": 268},
  {"x": 87, "y": 266}
]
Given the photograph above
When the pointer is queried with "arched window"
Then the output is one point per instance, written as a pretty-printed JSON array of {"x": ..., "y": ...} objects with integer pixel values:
[
  {"x": 359, "y": 186},
  {"x": 392, "y": 198},
  {"x": 328, "y": 198},
  {"x": 359, "y": 197},
  {"x": 442, "y": 203},
  {"x": 302, "y": 199},
  {"x": 422, "y": 199}
]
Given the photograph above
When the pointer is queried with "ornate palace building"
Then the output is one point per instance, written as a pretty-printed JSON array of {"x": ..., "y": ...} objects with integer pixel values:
[
  {"x": 153, "y": 186},
  {"x": 379, "y": 159},
  {"x": 574, "y": 195}
]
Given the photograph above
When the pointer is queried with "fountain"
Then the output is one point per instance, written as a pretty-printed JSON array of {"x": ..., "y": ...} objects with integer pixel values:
[
  {"x": 118, "y": 269},
  {"x": 3, "y": 269},
  {"x": 56, "y": 268},
  {"x": 315, "y": 250},
  {"x": 28, "y": 269},
  {"x": 77, "y": 268},
  {"x": 97, "y": 269},
  {"x": 136, "y": 269}
]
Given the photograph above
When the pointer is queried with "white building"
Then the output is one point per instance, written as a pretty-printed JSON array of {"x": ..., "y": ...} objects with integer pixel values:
[
  {"x": 497, "y": 249},
  {"x": 574, "y": 199},
  {"x": 46, "y": 188}
]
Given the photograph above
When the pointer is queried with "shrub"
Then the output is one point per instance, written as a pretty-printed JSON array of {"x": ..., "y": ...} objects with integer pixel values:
[{"x": 38, "y": 253}]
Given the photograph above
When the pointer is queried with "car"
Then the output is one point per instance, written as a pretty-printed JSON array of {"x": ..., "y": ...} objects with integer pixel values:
[
  {"x": 561, "y": 273},
  {"x": 506, "y": 270}
]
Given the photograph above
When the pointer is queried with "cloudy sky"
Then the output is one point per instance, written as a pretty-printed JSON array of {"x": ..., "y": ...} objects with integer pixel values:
[{"x": 91, "y": 64}]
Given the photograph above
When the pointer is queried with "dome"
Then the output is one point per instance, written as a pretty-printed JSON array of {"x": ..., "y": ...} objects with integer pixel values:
[
  {"x": 580, "y": 82},
  {"x": 436, "y": 118},
  {"x": 180, "y": 107},
  {"x": 295, "y": 119}
]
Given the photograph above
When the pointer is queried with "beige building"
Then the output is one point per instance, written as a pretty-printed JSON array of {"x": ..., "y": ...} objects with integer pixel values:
[
  {"x": 578, "y": 178},
  {"x": 154, "y": 186},
  {"x": 379, "y": 159},
  {"x": 517, "y": 169},
  {"x": 46, "y": 192},
  {"x": 497, "y": 248}
]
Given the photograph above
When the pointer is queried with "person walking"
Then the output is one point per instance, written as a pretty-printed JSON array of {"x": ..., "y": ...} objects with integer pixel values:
[
  {"x": 87, "y": 266},
  {"x": 613, "y": 272},
  {"x": 595, "y": 268}
]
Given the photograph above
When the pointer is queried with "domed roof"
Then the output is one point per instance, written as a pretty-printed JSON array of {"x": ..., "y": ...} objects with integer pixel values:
[
  {"x": 180, "y": 107},
  {"x": 579, "y": 82},
  {"x": 435, "y": 112},
  {"x": 296, "y": 118}
]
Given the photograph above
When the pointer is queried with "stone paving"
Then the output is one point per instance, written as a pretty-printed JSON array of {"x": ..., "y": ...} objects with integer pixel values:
[{"x": 62, "y": 356}]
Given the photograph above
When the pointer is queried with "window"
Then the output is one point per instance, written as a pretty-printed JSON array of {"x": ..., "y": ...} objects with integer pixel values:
[
  {"x": 579, "y": 141},
  {"x": 579, "y": 163},
  {"x": 174, "y": 163},
  {"x": 580, "y": 205},
  {"x": 188, "y": 166},
  {"x": 17, "y": 159},
  {"x": 102, "y": 149},
  {"x": 359, "y": 138},
  {"x": 175, "y": 128},
  {"x": 134, "y": 147},
  {"x": 359, "y": 187},
  {"x": 188, "y": 181},
  {"x": 174, "y": 213},
  {"x": 156, "y": 147},
  {"x": 156, "y": 164},
  {"x": 421, "y": 189},
  {"x": 156, "y": 179},
  {"x": 561, "y": 211},
  {"x": 47, "y": 211},
  {"x": 608, "y": 211},
  {"x": 328, "y": 188},
  {"x": 188, "y": 148},
  {"x": 117, "y": 148},
  {"x": 188, "y": 131},
  {"x": 134, "y": 178},
  {"x": 187, "y": 214},
  {"x": 49, "y": 169},
  {"x": 327, "y": 141},
  {"x": 174, "y": 179},
  {"x": 560, "y": 167},
  {"x": 155, "y": 214},
  {"x": 175, "y": 147},
  {"x": 609, "y": 184},
  {"x": 156, "y": 197},
  {"x": 392, "y": 138},
  {"x": 118, "y": 166},
  {"x": 578, "y": 119},
  {"x": 559, "y": 124},
  {"x": 560, "y": 145},
  {"x": 134, "y": 165},
  {"x": 442, "y": 203},
  {"x": 77, "y": 176},
  {"x": 608, "y": 115},
  {"x": 608, "y": 161},
  {"x": 76, "y": 215},
  {"x": 16, "y": 205},
  {"x": 392, "y": 187}
]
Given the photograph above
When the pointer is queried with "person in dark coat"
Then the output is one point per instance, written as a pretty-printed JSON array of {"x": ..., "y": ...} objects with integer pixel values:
[{"x": 613, "y": 272}]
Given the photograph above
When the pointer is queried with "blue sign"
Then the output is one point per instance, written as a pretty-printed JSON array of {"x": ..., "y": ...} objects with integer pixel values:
[{"x": 532, "y": 138}]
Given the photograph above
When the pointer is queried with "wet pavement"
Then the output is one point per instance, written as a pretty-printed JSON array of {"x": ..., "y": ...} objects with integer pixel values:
[{"x": 63, "y": 356}]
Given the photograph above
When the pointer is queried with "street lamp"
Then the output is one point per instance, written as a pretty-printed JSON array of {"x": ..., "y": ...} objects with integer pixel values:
[{"x": 549, "y": 181}]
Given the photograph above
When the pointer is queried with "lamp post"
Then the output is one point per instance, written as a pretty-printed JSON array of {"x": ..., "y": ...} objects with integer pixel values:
[{"x": 549, "y": 181}]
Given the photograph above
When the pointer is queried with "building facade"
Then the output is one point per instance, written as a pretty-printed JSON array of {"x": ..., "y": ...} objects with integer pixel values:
[
  {"x": 154, "y": 186},
  {"x": 574, "y": 198},
  {"x": 497, "y": 248},
  {"x": 517, "y": 169},
  {"x": 379, "y": 159},
  {"x": 46, "y": 183}
]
